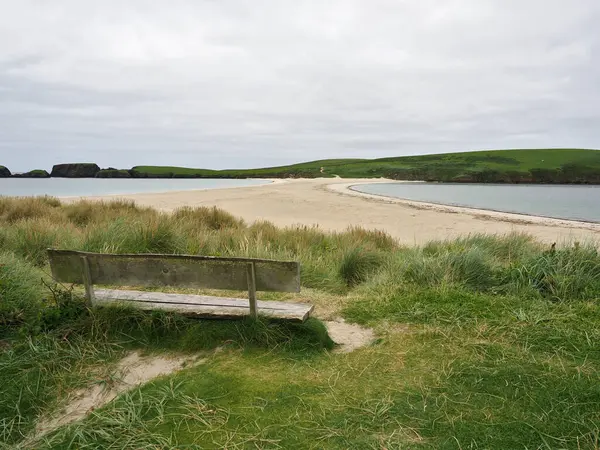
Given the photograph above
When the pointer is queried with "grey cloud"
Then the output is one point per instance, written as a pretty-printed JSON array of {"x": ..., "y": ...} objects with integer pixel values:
[{"x": 241, "y": 83}]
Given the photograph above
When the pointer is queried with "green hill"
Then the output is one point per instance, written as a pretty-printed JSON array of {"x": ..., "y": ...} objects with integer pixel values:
[{"x": 498, "y": 166}]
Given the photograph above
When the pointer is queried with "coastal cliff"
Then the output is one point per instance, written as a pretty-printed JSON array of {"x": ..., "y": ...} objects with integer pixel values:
[{"x": 75, "y": 170}]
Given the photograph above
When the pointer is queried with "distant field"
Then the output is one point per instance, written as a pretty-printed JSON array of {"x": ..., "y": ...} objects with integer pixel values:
[{"x": 534, "y": 165}]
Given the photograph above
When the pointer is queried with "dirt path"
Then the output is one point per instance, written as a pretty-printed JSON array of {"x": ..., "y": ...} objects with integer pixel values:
[{"x": 132, "y": 371}]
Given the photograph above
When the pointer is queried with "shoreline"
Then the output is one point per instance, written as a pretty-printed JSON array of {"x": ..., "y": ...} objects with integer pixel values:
[
  {"x": 479, "y": 212},
  {"x": 329, "y": 204},
  {"x": 267, "y": 182}
]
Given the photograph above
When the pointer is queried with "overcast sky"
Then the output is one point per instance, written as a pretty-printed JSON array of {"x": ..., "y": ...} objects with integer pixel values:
[{"x": 246, "y": 83}]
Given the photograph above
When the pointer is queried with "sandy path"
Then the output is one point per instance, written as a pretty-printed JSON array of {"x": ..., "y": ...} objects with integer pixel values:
[
  {"x": 132, "y": 371},
  {"x": 329, "y": 204}
]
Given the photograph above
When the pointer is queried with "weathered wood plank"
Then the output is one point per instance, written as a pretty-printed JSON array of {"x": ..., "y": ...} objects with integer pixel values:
[
  {"x": 202, "y": 306},
  {"x": 162, "y": 297},
  {"x": 218, "y": 312},
  {"x": 175, "y": 270},
  {"x": 87, "y": 280},
  {"x": 251, "y": 287}
]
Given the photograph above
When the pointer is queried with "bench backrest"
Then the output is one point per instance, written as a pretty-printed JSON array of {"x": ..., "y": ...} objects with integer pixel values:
[{"x": 206, "y": 272}]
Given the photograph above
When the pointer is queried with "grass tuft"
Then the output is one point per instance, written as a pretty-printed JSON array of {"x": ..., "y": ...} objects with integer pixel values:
[
  {"x": 16, "y": 209},
  {"x": 357, "y": 265},
  {"x": 379, "y": 239},
  {"x": 32, "y": 237},
  {"x": 21, "y": 291},
  {"x": 205, "y": 217},
  {"x": 564, "y": 274},
  {"x": 473, "y": 267}
]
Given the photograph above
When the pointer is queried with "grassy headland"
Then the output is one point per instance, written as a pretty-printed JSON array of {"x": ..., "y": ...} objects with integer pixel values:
[
  {"x": 568, "y": 166},
  {"x": 498, "y": 166},
  {"x": 482, "y": 342}
]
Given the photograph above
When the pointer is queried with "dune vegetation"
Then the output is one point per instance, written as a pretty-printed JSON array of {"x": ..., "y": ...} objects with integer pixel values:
[{"x": 481, "y": 342}]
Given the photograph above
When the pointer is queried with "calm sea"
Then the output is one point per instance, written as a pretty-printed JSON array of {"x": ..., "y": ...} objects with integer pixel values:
[
  {"x": 562, "y": 202},
  {"x": 63, "y": 187}
]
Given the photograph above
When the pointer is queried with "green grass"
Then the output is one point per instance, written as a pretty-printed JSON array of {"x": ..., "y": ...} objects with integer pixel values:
[
  {"x": 304, "y": 169},
  {"x": 531, "y": 165},
  {"x": 357, "y": 265},
  {"x": 482, "y": 342},
  {"x": 113, "y": 173},
  {"x": 20, "y": 291},
  {"x": 525, "y": 159},
  {"x": 500, "y": 166}
]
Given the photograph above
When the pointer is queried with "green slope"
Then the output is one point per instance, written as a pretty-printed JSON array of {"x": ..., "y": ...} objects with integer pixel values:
[
  {"x": 532, "y": 165},
  {"x": 312, "y": 168},
  {"x": 522, "y": 159}
]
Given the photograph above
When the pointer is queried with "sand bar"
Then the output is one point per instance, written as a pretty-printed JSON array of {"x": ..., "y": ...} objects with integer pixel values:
[{"x": 331, "y": 205}]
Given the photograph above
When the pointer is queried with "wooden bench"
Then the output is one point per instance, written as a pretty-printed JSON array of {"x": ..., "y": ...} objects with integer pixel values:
[{"x": 200, "y": 272}]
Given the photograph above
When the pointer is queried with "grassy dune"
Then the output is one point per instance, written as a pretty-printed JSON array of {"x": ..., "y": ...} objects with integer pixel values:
[
  {"x": 534, "y": 165},
  {"x": 482, "y": 342}
]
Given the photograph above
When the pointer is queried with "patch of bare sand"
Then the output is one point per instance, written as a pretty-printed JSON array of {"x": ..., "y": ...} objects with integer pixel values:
[
  {"x": 330, "y": 204},
  {"x": 131, "y": 371},
  {"x": 349, "y": 336}
]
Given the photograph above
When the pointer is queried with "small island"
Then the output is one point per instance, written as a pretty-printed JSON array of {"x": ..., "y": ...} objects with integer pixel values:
[
  {"x": 37, "y": 173},
  {"x": 75, "y": 170}
]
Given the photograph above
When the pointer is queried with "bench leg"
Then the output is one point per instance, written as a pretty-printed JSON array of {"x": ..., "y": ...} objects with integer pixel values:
[
  {"x": 252, "y": 289},
  {"x": 87, "y": 281}
]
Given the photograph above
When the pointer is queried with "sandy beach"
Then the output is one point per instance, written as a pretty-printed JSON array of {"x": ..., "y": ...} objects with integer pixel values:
[{"x": 330, "y": 204}]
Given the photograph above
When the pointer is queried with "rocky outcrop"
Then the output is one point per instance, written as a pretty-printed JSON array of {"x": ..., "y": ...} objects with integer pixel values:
[
  {"x": 75, "y": 170},
  {"x": 38, "y": 173},
  {"x": 4, "y": 172},
  {"x": 113, "y": 173}
]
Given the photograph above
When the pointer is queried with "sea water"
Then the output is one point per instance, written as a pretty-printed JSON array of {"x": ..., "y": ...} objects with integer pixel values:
[
  {"x": 74, "y": 187},
  {"x": 573, "y": 202}
]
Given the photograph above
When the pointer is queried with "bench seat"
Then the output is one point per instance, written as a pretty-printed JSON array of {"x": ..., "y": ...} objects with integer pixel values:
[
  {"x": 202, "y": 306},
  {"x": 182, "y": 271}
]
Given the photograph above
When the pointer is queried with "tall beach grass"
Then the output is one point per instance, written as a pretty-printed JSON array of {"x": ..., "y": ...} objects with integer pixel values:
[
  {"x": 482, "y": 341},
  {"x": 334, "y": 262}
]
